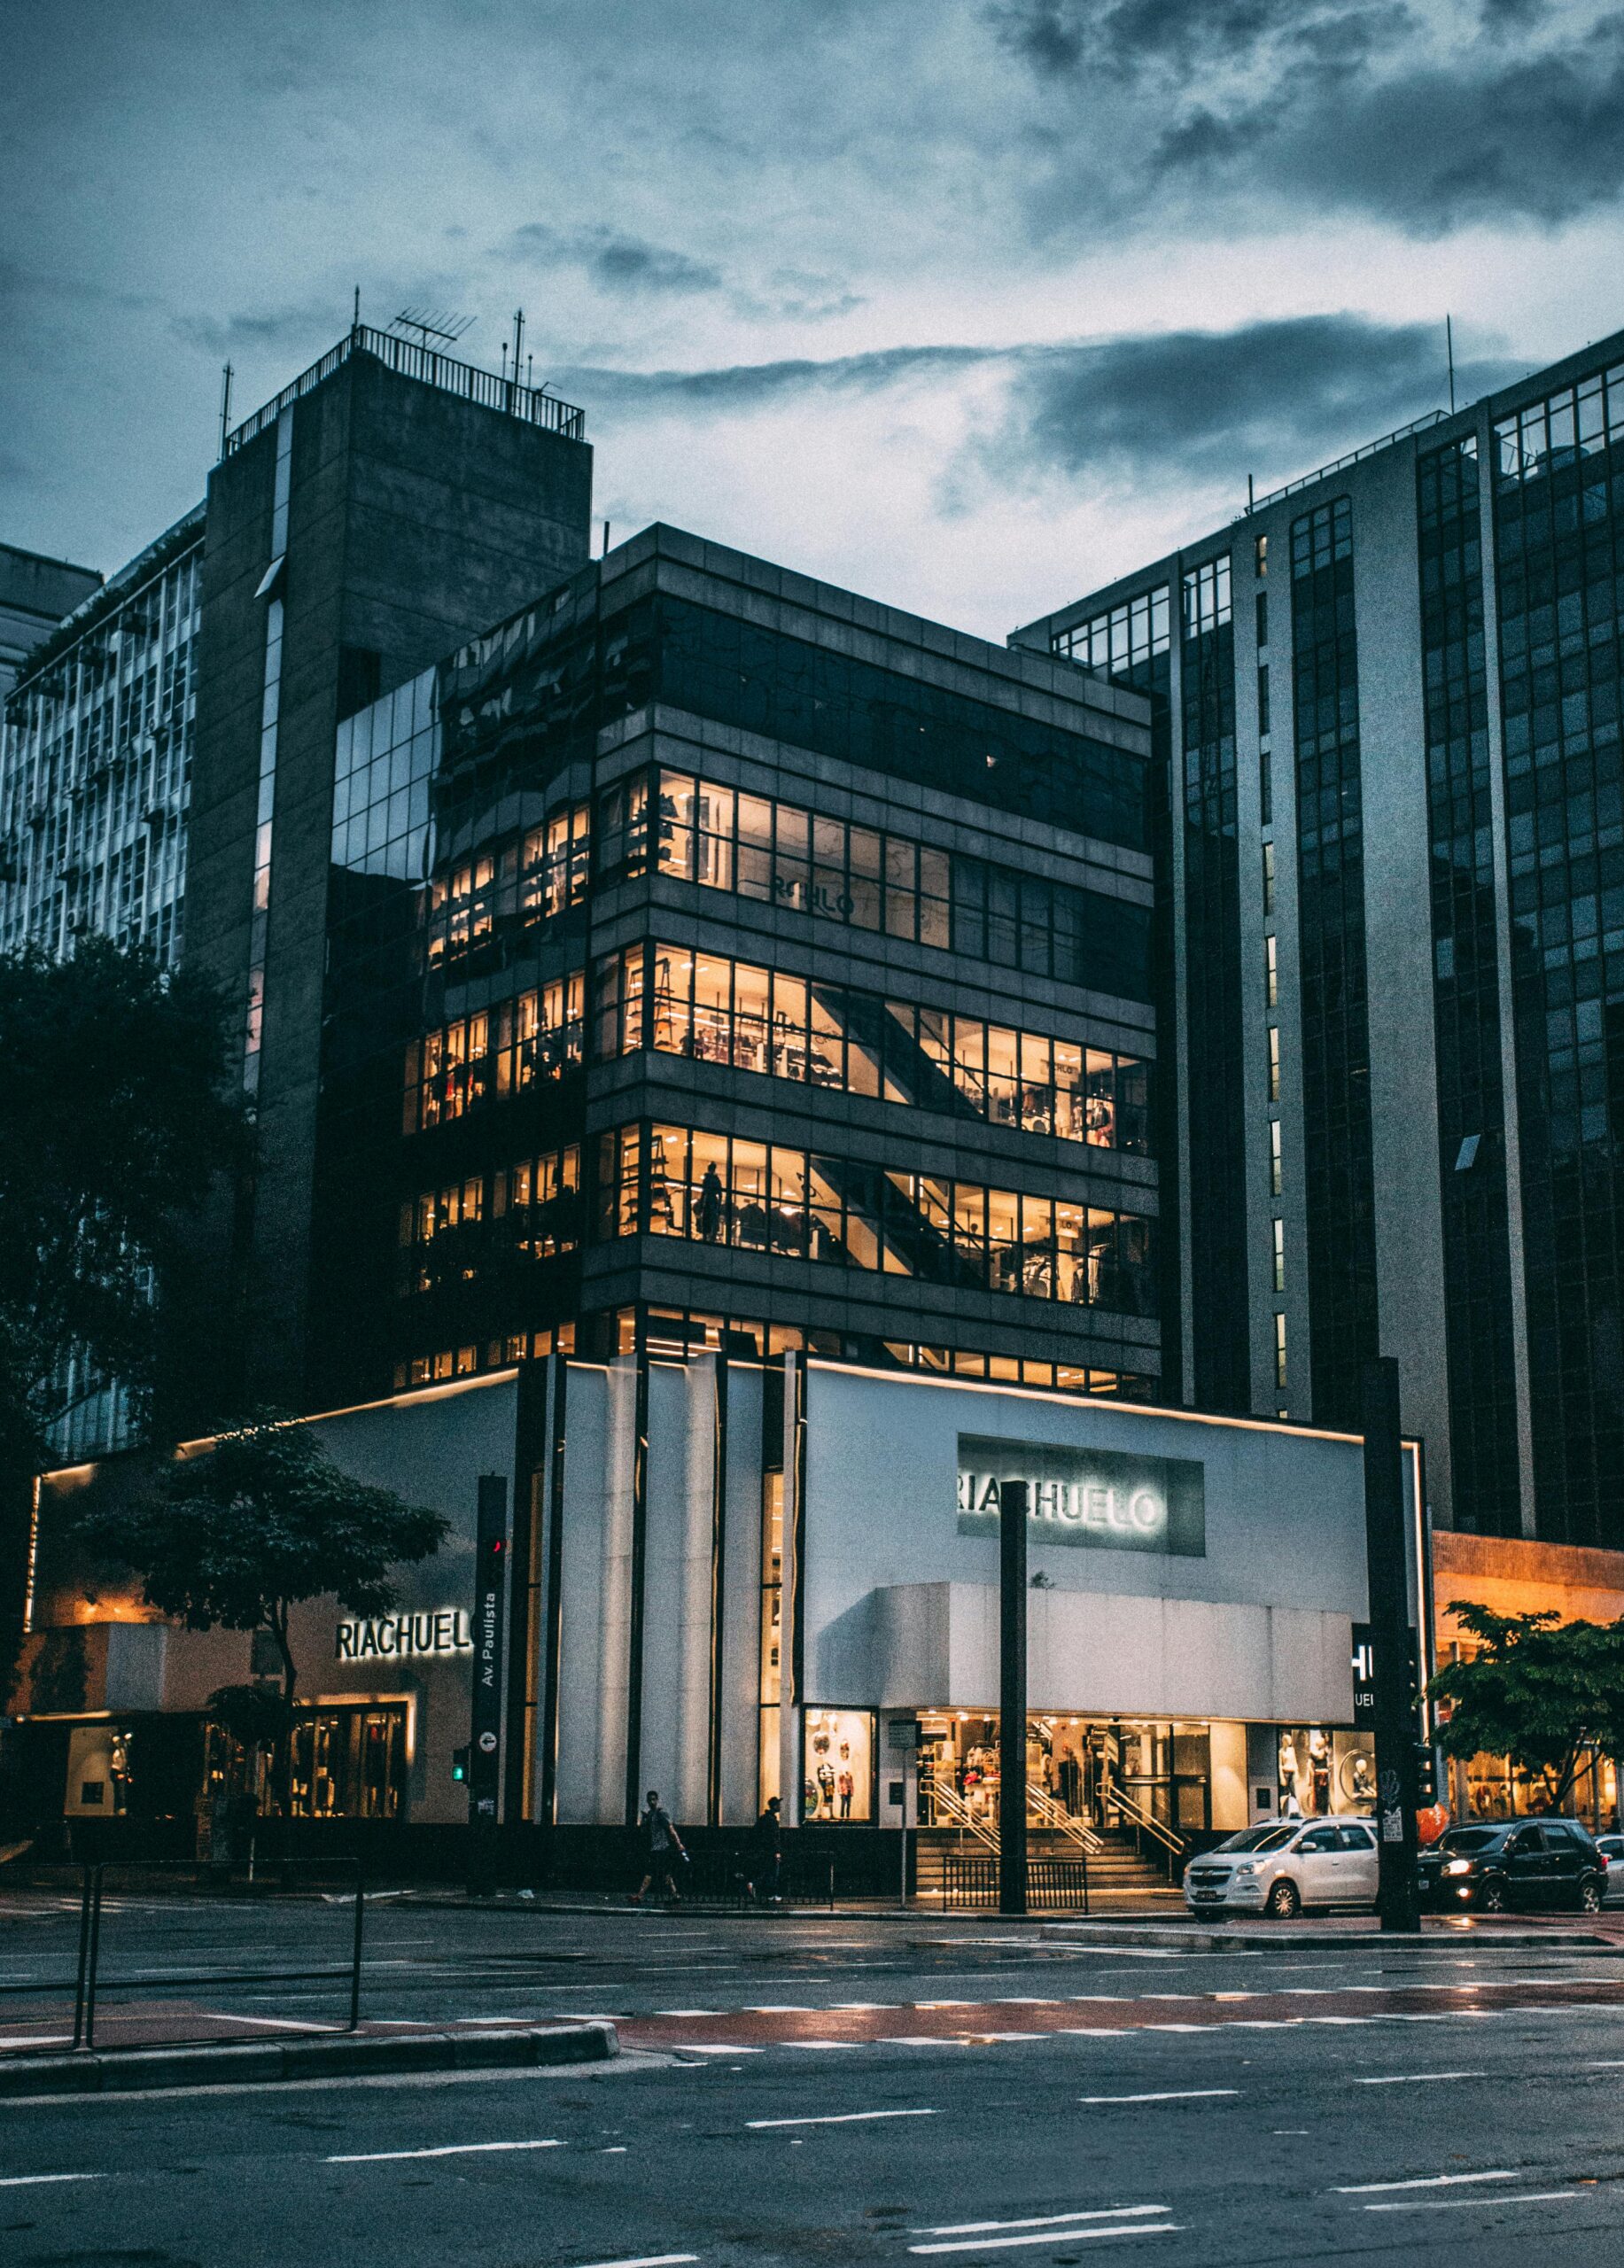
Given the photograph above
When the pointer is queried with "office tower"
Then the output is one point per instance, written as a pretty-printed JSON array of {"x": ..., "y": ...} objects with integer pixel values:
[
  {"x": 1397, "y": 992},
  {"x": 716, "y": 958}
]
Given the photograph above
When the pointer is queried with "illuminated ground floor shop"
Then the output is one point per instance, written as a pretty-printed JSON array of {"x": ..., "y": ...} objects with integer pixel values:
[{"x": 730, "y": 1578}]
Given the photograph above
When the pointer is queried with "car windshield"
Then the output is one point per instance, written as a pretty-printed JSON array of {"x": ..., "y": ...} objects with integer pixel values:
[
  {"x": 1262, "y": 1838},
  {"x": 1472, "y": 1839}
]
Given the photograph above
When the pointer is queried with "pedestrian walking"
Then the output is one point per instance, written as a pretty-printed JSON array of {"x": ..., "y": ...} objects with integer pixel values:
[
  {"x": 660, "y": 1840},
  {"x": 766, "y": 1855}
]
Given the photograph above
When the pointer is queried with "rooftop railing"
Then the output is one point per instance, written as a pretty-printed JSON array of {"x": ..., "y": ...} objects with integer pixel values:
[
  {"x": 1353, "y": 457},
  {"x": 534, "y": 404}
]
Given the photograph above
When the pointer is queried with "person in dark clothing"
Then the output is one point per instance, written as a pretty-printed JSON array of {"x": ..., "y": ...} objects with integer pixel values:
[
  {"x": 660, "y": 1839},
  {"x": 766, "y": 1852}
]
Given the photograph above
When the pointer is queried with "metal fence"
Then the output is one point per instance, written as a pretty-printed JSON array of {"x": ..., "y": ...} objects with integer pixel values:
[
  {"x": 534, "y": 404},
  {"x": 717, "y": 1878},
  {"x": 1055, "y": 1885},
  {"x": 35, "y": 2012}
]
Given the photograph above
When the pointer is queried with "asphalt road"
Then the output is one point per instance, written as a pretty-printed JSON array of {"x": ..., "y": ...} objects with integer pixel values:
[{"x": 820, "y": 2090}]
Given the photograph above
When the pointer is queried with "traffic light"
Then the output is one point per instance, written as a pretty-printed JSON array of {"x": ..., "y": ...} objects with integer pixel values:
[
  {"x": 459, "y": 1762},
  {"x": 1426, "y": 1775}
]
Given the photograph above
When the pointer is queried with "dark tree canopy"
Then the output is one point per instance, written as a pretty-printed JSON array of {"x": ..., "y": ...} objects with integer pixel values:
[
  {"x": 114, "y": 1118},
  {"x": 239, "y": 1533},
  {"x": 1539, "y": 1690}
]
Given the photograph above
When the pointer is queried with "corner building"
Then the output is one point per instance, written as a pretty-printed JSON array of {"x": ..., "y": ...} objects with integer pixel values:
[
  {"x": 1389, "y": 699},
  {"x": 716, "y": 959}
]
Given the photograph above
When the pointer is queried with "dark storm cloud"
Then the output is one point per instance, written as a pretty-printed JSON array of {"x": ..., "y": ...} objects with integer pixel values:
[
  {"x": 615, "y": 262},
  {"x": 752, "y": 386},
  {"x": 1429, "y": 119},
  {"x": 1196, "y": 404},
  {"x": 1176, "y": 406},
  {"x": 276, "y": 329}
]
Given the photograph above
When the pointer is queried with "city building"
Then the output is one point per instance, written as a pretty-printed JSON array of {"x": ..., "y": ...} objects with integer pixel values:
[
  {"x": 1387, "y": 697},
  {"x": 731, "y": 1579},
  {"x": 715, "y": 957},
  {"x": 35, "y": 593}
]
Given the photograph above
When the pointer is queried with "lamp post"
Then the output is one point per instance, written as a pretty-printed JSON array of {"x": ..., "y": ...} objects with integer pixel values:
[{"x": 1012, "y": 1696}]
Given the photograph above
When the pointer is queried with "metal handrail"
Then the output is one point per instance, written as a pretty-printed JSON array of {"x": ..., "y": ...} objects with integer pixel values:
[
  {"x": 1353, "y": 457},
  {"x": 1116, "y": 1799},
  {"x": 404, "y": 356},
  {"x": 1056, "y": 1816},
  {"x": 947, "y": 1799}
]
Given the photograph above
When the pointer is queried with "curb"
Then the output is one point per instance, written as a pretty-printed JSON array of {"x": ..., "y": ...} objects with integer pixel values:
[
  {"x": 269, "y": 2063},
  {"x": 1284, "y": 1938}
]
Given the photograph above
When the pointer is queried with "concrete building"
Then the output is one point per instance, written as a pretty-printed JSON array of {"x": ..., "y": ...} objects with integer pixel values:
[
  {"x": 1386, "y": 699},
  {"x": 35, "y": 593}
]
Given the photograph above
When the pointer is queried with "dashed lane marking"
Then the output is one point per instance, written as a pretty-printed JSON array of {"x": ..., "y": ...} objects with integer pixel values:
[
  {"x": 1166, "y": 2094},
  {"x": 1422, "y": 2181},
  {"x": 839, "y": 2118},
  {"x": 1460, "y": 2204},
  {"x": 1417, "y": 2078},
  {"x": 31, "y": 2180},
  {"x": 442, "y": 2150}
]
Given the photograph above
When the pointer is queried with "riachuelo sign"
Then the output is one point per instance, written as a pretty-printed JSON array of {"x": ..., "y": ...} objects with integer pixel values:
[{"x": 1099, "y": 1498}]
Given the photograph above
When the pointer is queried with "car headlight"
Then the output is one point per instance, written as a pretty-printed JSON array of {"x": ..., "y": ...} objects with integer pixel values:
[
  {"x": 1457, "y": 1865},
  {"x": 1244, "y": 1870}
]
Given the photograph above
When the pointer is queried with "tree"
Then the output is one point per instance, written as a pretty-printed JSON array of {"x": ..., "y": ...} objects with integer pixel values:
[
  {"x": 237, "y": 1535},
  {"x": 115, "y": 1117},
  {"x": 1539, "y": 1691}
]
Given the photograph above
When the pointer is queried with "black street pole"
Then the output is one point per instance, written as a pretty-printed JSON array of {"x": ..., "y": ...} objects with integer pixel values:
[
  {"x": 1387, "y": 1560},
  {"x": 1012, "y": 1696}
]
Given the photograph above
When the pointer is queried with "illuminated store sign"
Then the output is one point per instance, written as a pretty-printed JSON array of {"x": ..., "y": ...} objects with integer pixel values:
[
  {"x": 1097, "y": 1497},
  {"x": 443, "y": 1631}
]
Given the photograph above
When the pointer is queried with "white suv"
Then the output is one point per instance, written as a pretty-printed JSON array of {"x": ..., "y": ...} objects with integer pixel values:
[{"x": 1280, "y": 1868}]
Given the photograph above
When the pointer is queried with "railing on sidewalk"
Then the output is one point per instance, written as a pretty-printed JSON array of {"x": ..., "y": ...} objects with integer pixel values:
[
  {"x": 734, "y": 1880},
  {"x": 89, "y": 1986},
  {"x": 1055, "y": 1885}
]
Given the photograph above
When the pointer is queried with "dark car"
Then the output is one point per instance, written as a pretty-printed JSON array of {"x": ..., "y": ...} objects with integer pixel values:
[{"x": 1514, "y": 1862}]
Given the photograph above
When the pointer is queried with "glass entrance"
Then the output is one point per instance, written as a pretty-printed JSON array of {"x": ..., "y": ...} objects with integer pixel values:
[{"x": 1109, "y": 1773}]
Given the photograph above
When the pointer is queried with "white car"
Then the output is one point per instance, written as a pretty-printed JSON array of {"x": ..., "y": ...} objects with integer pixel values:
[
  {"x": 1285, "y": 1865},
  {"x": 1612, "y": 1848}
]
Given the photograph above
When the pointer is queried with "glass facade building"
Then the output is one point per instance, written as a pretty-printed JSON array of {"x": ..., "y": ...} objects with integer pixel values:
[
  {"x": 714, "y": 958},
  {"x": 1428, "y": 902}
]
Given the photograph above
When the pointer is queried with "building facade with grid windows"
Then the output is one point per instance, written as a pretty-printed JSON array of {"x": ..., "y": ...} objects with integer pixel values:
[{"x": 1396, "y": 979}]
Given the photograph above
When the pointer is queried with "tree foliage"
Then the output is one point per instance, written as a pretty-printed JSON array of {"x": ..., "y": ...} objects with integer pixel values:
[
  {"x": 1538, "y": 1690},
  {"x": 238, "y": 1535},
  {"x": 114, "y": 1118}
]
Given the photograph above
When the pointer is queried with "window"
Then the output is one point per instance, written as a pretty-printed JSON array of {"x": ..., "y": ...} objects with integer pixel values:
[
  {"x": 1274, "y": 1157},
  {"x": 750, "y": 1018},
  {"x": 1262, "y": 620},
  {"x": 1279, "y": 1227},
  {"x": 500, "y": 1050},
  {"x": 754, "y": 1196},
  {"x": 1265, "y": 787},
  {"x": 1268, "y": 882},
  {"x": 1261, "y": 556},
  {"x": 1274, "y": 1062},
  {"x": 1279, "y": 1352},
  {"x": 529, "y": 1211},
  {"x": 1263, "y": 698},
  {"x": 1271, "y": 973},
  {"x": 784, "y": 855},
  {"x": 1120, "y": 640}
]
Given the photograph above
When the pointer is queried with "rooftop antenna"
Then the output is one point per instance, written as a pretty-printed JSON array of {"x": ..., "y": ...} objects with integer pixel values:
[
  {"x": 355, "y": 311},
  {"x": 225, "y": 406},
  {"x": 1248, "y": 492},
  {"x": 431, "y": 323},
  {"x": 1448, "y": 345},
  {"x": 518, "y": 340}
]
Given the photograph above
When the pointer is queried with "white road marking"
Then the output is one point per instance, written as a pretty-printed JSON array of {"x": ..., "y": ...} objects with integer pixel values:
[
  {"x": 444, "y": 2150},
  {"x": 839, "y": 2118},
  {"x": 700, "y": 2047},
  {"x": 647, "y": 2260},
  {"x": 35, "y": 2040},
  {"x": 1169, "y": 2095},
  {"x": 1420, "y": 2181},
  {"x": 1417, "y": 2078},
  {"x": 690, "y": 2012},
  {"x": 1072, "y": 2235},
  {"x": 1045, "y": 2220},
  {"x": 826, "y": 2043},
  {"x": 923, "y": 2039},
  {"x": 30, "y": 2180},
  {"x": 1458, "y": 2204},
  {"x": 274, "y": 2023}
]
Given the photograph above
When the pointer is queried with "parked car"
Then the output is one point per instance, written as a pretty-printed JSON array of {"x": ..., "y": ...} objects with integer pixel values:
[
  {"x": 1612, "y": 1848},
  {"x": 1285, "y": 1865},
  {"x": 1514, "y": 1862}
]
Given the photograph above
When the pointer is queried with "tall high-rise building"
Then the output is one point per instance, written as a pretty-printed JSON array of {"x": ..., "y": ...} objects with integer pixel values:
[{"x": 1395, "y": 996}]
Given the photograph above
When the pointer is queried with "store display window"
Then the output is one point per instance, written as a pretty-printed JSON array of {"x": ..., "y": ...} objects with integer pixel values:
[
  {"x": 838, "y": 1768},
  {"x": 1322, "y": 1771}
]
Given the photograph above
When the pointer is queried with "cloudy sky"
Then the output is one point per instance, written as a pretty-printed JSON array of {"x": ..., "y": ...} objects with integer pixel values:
[{"x": 967, "y": 304}]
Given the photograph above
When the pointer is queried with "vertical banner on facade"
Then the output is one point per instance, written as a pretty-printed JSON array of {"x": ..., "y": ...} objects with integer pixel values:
[{"x": 490, "y": 1632}]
